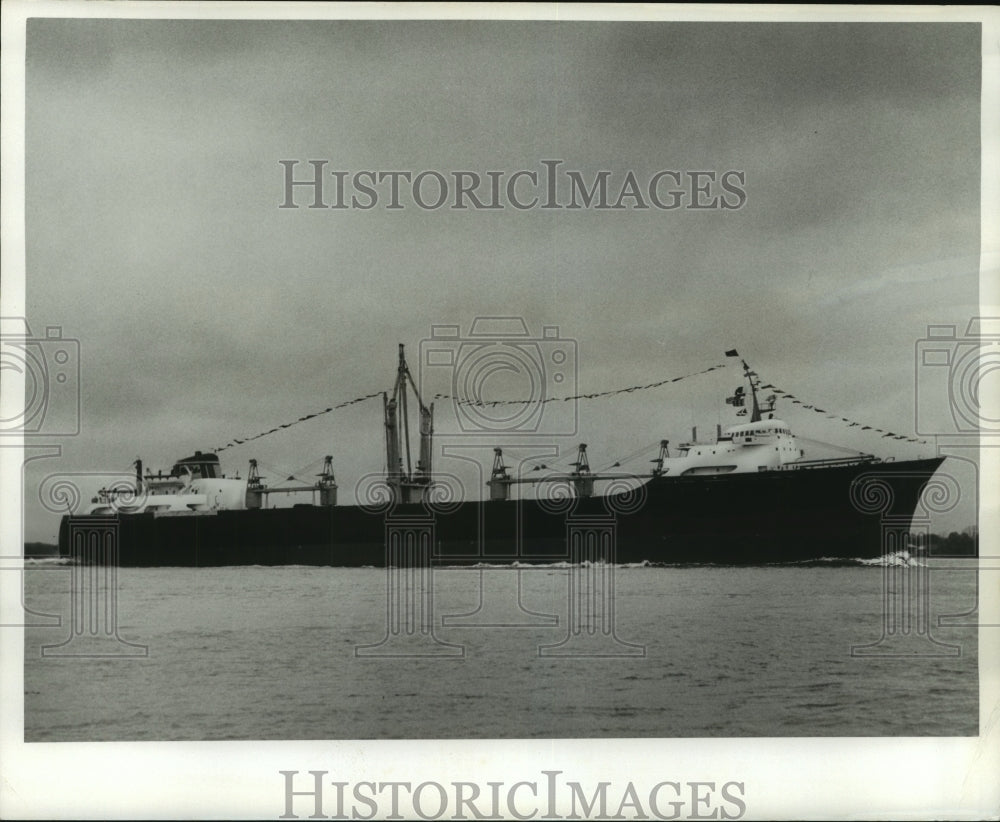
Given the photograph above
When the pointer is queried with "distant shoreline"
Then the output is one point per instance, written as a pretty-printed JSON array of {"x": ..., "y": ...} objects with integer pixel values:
[{"x": 40, "y": 549}]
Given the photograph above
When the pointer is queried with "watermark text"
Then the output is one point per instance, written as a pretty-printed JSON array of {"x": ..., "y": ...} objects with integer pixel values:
[
  {"x": 314, "y": 795},
  {"x": 315, "y": 184}
]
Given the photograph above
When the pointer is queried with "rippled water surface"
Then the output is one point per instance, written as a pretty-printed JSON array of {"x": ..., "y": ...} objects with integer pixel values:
[{"x": 279, "y": 653}]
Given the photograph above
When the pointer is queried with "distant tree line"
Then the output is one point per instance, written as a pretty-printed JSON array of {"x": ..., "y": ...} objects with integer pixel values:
[
  {"x": 955, "y": 544},
  {"x": 40, "y": 549}
]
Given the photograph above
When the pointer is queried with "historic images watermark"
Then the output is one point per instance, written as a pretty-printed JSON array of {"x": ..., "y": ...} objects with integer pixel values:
[
  {"x": 39, "y": 405},
  {"x": 499, "y": 381},
  {"x": 950, "y": 405},
  {"x": 410, "y": 537},
  {"x": 906, "y": 586},
  {"x": 544, "y": 796},
  {"x": 950, "y": 372},
  {"x": 310, "y": 184},
  {"x": 49, "y": 366},
  {"x": 953, "y": 375},
  {"x": 537, "y": 371},
  {"x": 92, "y": 545}
]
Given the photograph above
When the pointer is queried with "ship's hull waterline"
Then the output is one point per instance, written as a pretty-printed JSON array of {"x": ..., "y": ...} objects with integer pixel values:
[{"x": 740, "y": 519}]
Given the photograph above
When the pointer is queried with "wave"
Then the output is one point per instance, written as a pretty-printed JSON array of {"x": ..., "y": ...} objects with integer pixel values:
[
  {"x": 901, "y": 559},
  {"x": 894, "y": 559}
]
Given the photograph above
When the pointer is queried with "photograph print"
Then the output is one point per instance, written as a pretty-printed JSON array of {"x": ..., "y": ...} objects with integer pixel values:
[{"x": 498, "y": 379}]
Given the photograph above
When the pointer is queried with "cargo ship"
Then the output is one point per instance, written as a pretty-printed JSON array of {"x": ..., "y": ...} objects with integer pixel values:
[{"x": 747, "y": 497}]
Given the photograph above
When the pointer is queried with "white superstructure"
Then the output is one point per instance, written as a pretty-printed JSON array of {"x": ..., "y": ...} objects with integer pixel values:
[
  {"x": 194, "y": 485},
  {"x": 765, "y": 445}
]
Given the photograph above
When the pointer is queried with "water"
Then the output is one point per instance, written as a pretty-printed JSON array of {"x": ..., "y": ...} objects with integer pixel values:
[{"x": 270, "y": 653}]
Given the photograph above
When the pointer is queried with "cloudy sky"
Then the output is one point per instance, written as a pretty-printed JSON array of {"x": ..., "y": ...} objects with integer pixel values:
[{"x": 205, "y": 312}]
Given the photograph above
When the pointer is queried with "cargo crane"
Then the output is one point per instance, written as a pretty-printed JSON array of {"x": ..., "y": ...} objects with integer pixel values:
[{"x": 408, "y": 483}]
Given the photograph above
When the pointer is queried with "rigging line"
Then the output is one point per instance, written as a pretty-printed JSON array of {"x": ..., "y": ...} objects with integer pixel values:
[
  {"x": 405, "y": 414},
  {"x": 281, "y": 473},
  {"x": 830, "y": 445},
  {"x": 648, "y": 449},
  {"x": 530, "y": 462},
  {"x": 589, "y": 396},
  {"x": 293, "y": 474},
  {"x": 308, "y": 469},
  {"x": 787, "y": 395},
  {"x": 416, "y": 391},
  {"x": 242, "y": 440},
  {"x": 237, "y": 441}
]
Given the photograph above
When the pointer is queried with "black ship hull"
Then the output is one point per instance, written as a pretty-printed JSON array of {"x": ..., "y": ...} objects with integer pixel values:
[{"x": 768, "y": 517}]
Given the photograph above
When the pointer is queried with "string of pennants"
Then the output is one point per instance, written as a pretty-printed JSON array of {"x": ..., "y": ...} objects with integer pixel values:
[
  {"x": 782, "y": 394},
  {"x": 460, "y": 401},
  {"x": 850, "y": 423},
  {"x": 234, "y": 442},
  {"x": 595, "y": 395}
]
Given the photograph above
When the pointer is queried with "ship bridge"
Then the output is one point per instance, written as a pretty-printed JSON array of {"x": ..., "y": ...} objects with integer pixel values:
[
  {"x": 198, "y": 465},
  {"x": 760, "y": 431},
  {"x": 763, "y": 445},
  {"x": 760, "y": 444}
]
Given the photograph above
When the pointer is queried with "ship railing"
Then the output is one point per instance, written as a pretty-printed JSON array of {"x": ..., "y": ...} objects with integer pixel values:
[
  {"x": 317, "y": 491},
  {"x": 289, "y": 489},
  {"x": 832, "y": 462},
  {"x": 568, "y": 478}
]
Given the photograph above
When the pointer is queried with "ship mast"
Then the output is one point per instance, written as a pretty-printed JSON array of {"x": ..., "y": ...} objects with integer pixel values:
[
  {"x": 410, "y": 483},
  {"x": 750, "y": 375},
  {"x": 738, "y": 399}
]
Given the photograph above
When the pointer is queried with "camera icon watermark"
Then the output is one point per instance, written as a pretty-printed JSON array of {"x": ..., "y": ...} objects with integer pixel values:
[
  {"x": 410, "y": 536},
  {"x": 90, "y": 541},
  {"x": 108, "y": 492},
  {"x": 500, "y": 379},
  {"x": 950, "y": 375},
  {"x": 906, "y": 612},
  {"x": 957, "y": 386},
  {"x": 93, "y": 550},
  {"x": 50, "y": 368}
]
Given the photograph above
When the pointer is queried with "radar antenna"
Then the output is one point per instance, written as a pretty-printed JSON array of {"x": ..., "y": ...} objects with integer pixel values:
[{"x": 738, "y": 397}]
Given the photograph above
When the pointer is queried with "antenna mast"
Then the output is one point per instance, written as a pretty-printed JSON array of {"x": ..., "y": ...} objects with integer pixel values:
[
  {"x": 738, "y": 399},
  {"x": 751, "y": 378}
]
